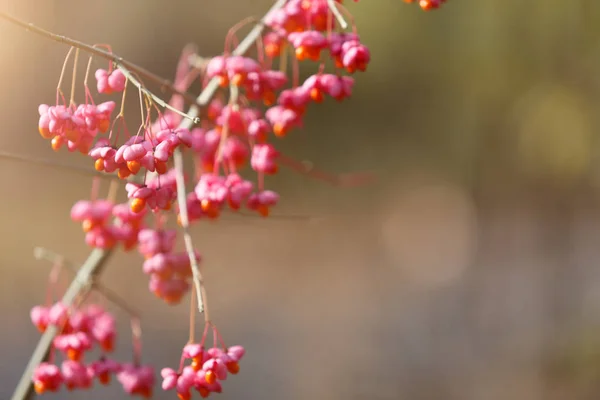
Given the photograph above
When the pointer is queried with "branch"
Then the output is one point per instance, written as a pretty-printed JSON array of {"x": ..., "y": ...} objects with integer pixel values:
[
  {"x": 97, "y": 258},
  {"x": 48, "y": 163},
  {"x": 125, "y": 66},
  {"x": 90, "y": 268}
]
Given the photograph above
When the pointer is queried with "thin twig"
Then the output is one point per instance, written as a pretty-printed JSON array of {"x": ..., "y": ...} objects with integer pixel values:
[
  {"x": 48, "y": 163},
  {"x": 80, "y": 285},
  {"x": 203, "y": 99},
  {"x": 41, "y": 253},
  {"x": 154, "y": 98},
  {"x": 125, "y": 66},
  {"x": 336, "y": 13},
  {"x": 187, "y": 238}
]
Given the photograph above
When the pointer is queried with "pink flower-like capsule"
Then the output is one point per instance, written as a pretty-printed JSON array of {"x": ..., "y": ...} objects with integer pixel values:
[
  {"x": 273, "y": 42},
  {"x": 40, "y": 317},
  {"x": 212, "y": 193},
  {"x": 83, "y": 144},
  {"x": 95, "y": 117},
  {"x": 318, "y": 14},
  {"x": 153, "y": 241},
  {"x": 135, "y": 154},
  {"x": 283, "y": 119},
  {"x": 336, "y": 41},
  {"x": 182, "y": 383},
  {"x": 308, "y": 44},
  {"x": 261, "y": 202},
  {"x": 170, "y": 290},
  {"x": 104, "y": 368},
  {"x": 236, "y": 119},
  {"x": 258, "y": 130},
  {"x": 76, "y": 375},
  {"x": 214, "y": 108},
  {"x": 140, "y": 196},
  {"x": 73, "y": 344},
  {"x": 338, "y": 87},
  {"x": 167, "y": 180},
  {"x": 160, "y": 198},
  {"x": 46, "y": 378},
  {"x": 262, "y": 85},
  {"x": 206, "y": 146},
  {"x": 217, "y": 68},
  {"x": 125, "y": 234},
  {"x": 295, "y": 99},
  {"x": 103, "y": 155},
  {"x": 58, "y": 315},
  {"x": 205, "y": 388},
  {"x": 102, "y": 237},
  {"x": 180, "y": 263},
  {"x": 168, "y": 141},
  {"x": 196, "y": 353},
  {"x": 238, "y": 68},
  {"x": 239, "y": 190},
  {"x": 44, "y": 122},
  {"x": 104, "y": 331},
  {"x": 108, "y": 83},
  {"x": 158, "y": 265},
  {"x": 163, "y": 198},
  {"x": 170, "y": 378},
  {"x": 194, "y": 208},
  {"x": 264, "y": 158},
  {"x": 234, "y": 152},
  {"x": 79, "y": 321},
  {"x": 56, "y": 122},
  {"x": 126, "y": 216},
  {"x": 230, "y": 357},
  {"x": 177, "y": 136},
  {"x": 91, "y": 214},
  {"x": 355, "y": 56},
  {"x": 215, "y": 369},
  {"x": 164, "y": 265},
  {"x": 137, "y": 380},
  {"x": 197, "y": 135},
  {"x": 291, "y": 18},
  {"x": 236, "y": 352}
]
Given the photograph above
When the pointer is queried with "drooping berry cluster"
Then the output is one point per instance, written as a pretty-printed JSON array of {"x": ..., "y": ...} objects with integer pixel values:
[
  {"x": 169, "y": 271},
  {"x": 205, "y": 372},
  {"x": 106, "y": 224},
  {"x": 75, "y": 125},
  {"x": 258, "y": 101},
  {"x": 79, "y": 332}
]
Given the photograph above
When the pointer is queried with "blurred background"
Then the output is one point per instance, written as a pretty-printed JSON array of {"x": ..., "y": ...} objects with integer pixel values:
[{"x": 468, "y": 271}]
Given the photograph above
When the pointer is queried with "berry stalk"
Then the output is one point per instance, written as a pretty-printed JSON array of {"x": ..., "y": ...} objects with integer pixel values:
[{"x": 120, "y": 62}]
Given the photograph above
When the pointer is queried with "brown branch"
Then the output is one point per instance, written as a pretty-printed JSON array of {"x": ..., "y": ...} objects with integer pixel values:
[
  {"x": 53, "y": 164},
  {"x": 126, "y": 66}
]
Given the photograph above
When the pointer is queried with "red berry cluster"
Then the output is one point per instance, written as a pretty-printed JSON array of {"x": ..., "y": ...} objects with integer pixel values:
[
  {"x": 79, "y": 330},
  {"x": 105, "y": 224},
  {"x": 258, "y": 101},
  {"x": 169, "y": 271},
  {"x": 205, "y": 372}
]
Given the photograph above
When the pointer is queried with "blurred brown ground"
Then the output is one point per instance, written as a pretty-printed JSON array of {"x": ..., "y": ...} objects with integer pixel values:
[{"x": 469, "y": 271}]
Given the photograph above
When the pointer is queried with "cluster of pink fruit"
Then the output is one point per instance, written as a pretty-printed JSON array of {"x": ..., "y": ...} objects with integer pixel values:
[
  {"x": 256, "y": 103},
  {"x": 78, "y": 331}
]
